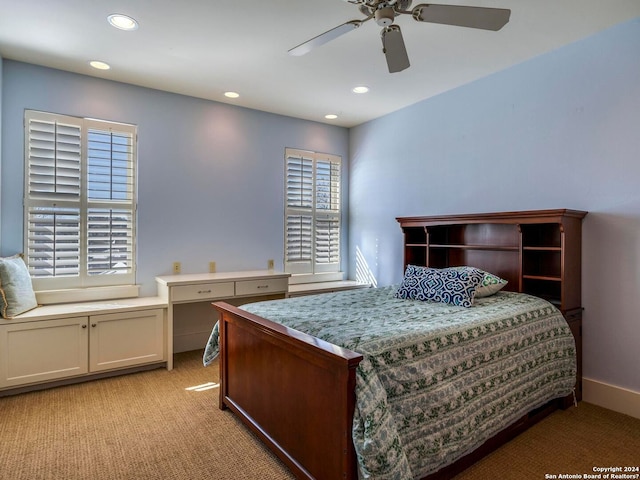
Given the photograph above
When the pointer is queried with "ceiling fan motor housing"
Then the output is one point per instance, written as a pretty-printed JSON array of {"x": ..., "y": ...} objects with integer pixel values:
[{"x": 384, "y": 16}]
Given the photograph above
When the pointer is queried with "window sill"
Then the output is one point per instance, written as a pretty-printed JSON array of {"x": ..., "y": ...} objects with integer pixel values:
[{"x": 298, "y": 278}]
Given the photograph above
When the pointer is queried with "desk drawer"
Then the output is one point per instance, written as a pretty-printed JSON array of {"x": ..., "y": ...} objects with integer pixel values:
[
  {"x": 265, "y": 286},
  {"x": 202, "y": 291}
]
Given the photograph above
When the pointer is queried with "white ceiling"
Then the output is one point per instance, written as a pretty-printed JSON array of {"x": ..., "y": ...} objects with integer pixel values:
[{"x": 203, "y": 48}]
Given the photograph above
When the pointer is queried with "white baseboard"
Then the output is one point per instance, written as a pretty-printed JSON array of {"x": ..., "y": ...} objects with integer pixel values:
[{"x": 609, "y": 396}]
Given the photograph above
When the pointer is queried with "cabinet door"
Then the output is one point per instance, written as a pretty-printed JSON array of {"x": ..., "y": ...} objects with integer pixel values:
[
  {"x": 34, "y": 352},
  {"x": 120, "y": 340}
]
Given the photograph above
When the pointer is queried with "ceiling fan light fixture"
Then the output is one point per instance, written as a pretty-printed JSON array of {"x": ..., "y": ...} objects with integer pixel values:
[
  {"x": 384, "y": 16},
  {"x": 123, "y": 22}
]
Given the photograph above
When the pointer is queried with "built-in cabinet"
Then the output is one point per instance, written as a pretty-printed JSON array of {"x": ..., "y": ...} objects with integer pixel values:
[
  {"x": 538, "y": 251},
  {"x": 35, "y": 352},
  {"x": 120, "y": 340},
  {"x": 58, "y": 342}
]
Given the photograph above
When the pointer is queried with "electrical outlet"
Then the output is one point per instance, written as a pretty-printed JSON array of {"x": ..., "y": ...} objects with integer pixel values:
[
  {"x": 270, "y": 264},
  {"x": 212, "y": 267},
  {"x": 176, "y": 267}
]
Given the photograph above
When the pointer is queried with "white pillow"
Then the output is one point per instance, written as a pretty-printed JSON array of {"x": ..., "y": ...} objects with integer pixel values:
[
  {"x": 16, "y": 290},
  {"x": 490, "y": 284}
]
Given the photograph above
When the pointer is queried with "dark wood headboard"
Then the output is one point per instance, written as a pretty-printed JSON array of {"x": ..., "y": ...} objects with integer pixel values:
[{"x": 537, "y": 251}]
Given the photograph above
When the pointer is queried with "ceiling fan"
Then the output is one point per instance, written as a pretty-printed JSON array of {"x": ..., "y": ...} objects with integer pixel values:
[{"x": 384, "y": 13}]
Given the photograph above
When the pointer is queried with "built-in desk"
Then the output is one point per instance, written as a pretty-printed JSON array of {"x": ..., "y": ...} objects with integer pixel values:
[{"x": 189, "y": 296}]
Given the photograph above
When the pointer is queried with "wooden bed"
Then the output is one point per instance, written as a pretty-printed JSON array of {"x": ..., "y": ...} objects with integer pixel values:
[{"x": 297, "y": 392}]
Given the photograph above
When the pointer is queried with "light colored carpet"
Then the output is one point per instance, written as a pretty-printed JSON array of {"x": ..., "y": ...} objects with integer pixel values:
[
  {"x": 143, "y": 426},
  {"x": 148, "y": 426},
  {"x": 569, "y": 442}
]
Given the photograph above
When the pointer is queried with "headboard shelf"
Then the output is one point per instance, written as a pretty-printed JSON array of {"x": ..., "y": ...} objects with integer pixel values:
[
  {"x": 474, "y": 247},
  {"x": 540, "y": 277},
  {"x": 526, "y": 248}
]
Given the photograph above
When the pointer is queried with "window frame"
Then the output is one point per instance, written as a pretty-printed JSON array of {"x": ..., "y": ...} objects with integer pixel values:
[
  {"x": 330, "y": 217},
  {"x": 116, "y": 237}
]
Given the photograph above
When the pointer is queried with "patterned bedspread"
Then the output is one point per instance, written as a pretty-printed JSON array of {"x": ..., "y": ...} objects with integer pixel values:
[{"x": 436, "y": 380}]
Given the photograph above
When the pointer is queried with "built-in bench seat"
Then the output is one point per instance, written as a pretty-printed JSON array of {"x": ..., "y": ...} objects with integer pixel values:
[
  {"x": 69, "y": 342},
  {"x": 62, "y": 310}
]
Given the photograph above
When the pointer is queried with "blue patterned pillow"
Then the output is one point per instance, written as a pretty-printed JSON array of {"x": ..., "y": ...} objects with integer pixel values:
[
  {"x": 456, "y": 286},
  {"x": 16, "y": 291}
]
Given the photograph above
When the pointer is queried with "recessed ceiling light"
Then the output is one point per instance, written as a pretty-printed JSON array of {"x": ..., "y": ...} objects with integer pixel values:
[
  {"x": 231, "y": 94},
  {"x": 100, "y": 65},
  {"x": 360, "y": 89},
  {"x": 331, "y": 116},
  {"x": 123, "y": 22}
]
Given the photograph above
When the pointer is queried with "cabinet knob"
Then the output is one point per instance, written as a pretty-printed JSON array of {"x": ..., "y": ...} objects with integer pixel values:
[
  {"x": 93, "y": 324},
  {"x": 84, "y": 326}
]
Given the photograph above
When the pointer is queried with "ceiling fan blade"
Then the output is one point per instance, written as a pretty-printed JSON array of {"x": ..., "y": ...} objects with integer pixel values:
[
  {"x": 461, "y": 16},
  {"x": 325, "y": 37},
  {"x": 394, "y": 49}
]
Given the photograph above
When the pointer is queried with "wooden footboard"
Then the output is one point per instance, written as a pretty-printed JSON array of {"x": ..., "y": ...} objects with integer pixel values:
[{"x": 296, "y": 392}]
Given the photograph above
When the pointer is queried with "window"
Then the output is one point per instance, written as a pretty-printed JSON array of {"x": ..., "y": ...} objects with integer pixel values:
[
  {"x": 79, "y": 201},
  {"x": 312, "y": 213}
]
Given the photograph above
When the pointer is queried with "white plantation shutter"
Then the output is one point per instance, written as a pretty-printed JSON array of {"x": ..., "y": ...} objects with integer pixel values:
[
  {"x": 327, "y": 184},
  {"x": 299, "y": 239},
  {"x": 110, "y": 241},
  {"x": 53, "y": 241},
  {"x": 299, "y": 181},
  {"x": 110, "y": 165},
  {"x": 110, "y": 190},
  {"x": 299, "y": 212},
  {"x": 54, "y": 152},
  {"x": 312, "y": 216},
  {"x": 327, "y": 231},
  {"x": 327, "y": 241},
  {"x": 79, "y": 201}
]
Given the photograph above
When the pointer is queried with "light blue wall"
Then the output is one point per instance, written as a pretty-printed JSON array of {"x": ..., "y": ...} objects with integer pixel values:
[
  {"x": 211, "y": 175},
  {"x": 559, "y": 131}
]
